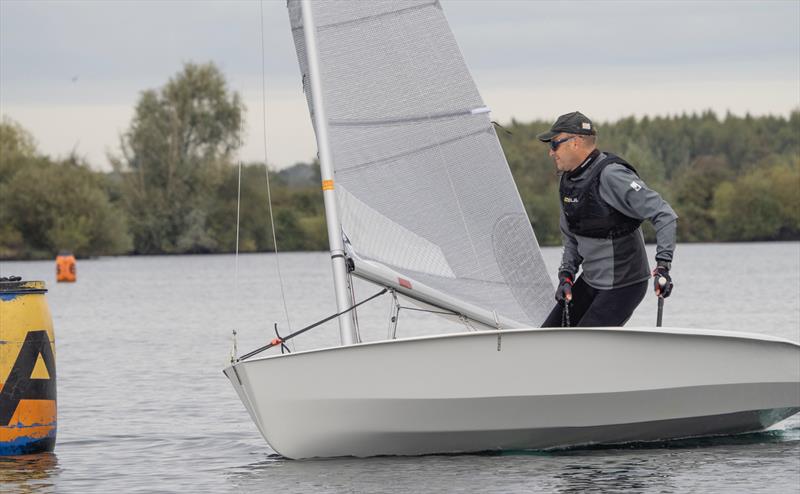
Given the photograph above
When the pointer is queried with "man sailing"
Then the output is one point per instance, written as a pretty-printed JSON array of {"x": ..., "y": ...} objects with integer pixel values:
[{"x": 603, "y": 204}]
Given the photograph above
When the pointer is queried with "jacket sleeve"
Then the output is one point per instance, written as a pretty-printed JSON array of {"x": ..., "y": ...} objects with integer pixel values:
[
  {"x": 628, "y": 194},
  {"x": 570, "y": 258}
]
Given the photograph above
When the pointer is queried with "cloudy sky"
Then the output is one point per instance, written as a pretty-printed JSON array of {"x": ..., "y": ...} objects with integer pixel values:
[{"x": 72, "y": 71}]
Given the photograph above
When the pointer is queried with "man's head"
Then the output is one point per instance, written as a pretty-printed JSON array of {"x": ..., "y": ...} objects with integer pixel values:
[{"x": 572, "y": 137}]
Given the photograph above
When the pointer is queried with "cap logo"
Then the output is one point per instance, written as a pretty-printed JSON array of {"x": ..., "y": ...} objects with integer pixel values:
[{"x": 586, "y": 126}]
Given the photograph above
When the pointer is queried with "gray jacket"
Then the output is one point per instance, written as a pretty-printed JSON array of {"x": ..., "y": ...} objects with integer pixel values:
[{"x": 618, "y": 262}]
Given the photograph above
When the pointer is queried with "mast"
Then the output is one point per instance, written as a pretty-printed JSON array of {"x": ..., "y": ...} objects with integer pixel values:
[{"x": 347, "y": 330}]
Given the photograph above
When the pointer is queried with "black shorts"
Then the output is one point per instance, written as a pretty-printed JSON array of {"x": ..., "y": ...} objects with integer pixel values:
[{"x": 591, "y": 307}]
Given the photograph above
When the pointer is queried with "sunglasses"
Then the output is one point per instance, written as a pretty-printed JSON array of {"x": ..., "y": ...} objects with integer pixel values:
[{"x": 554, "y": 144}]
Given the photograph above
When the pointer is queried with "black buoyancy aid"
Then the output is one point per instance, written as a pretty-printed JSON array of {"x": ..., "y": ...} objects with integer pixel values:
[{"x": 586, "y": 212}]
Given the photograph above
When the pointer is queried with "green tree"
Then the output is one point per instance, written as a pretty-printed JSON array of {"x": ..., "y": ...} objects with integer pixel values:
[
  {"x": 763, "y": 204},
  {"x": 297, "y": 209},
  {"x": 254, "y": 232},
  {"x": 61, "y": 206},
  {"x": 174, "y": 155},
  {"x": 17, "y": 149},
  {"x": 287, "y": 228},
  {"x": 693, "y": 191}
]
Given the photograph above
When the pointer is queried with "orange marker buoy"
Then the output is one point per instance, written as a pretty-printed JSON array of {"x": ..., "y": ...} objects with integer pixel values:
[
  {"x": 27, "y": 369},
  {"x": 65, "y": 267}
]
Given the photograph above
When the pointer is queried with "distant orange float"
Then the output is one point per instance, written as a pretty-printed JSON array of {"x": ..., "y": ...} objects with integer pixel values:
[{"x": 65, "y": 268}]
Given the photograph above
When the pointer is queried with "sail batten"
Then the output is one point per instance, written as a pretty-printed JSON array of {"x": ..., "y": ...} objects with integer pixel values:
[
  {"x": 413, "y": 151},
  {"x": 404, "y": 120},
  {"x": 380, "y": 12},
  {"x": 422, "y": 183}
]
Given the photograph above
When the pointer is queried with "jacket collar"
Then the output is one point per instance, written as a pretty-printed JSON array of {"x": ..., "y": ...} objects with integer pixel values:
[{"x": 577, "y": 172}]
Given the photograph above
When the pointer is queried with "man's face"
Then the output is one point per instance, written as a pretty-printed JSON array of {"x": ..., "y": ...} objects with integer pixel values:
[{"x": 569, "y": 152}]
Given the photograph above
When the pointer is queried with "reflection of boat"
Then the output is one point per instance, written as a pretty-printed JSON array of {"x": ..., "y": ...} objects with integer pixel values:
[{"x": 424, "y": 205}]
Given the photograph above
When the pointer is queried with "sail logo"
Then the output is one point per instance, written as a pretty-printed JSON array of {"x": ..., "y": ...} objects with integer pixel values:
[{"x": 570, "y": 200}]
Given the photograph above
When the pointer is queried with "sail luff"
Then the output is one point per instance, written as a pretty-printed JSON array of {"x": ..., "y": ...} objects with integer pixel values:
[{"x": 347, "y": 330}]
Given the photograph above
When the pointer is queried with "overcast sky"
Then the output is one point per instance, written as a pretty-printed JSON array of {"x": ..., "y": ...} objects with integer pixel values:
[{"x": 71, "y": 72}]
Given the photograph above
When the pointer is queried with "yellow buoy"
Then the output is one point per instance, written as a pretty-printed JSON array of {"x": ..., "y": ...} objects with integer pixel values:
[
  {"x": 27, "y": 369},
  {"x": 65, "y": 267}
]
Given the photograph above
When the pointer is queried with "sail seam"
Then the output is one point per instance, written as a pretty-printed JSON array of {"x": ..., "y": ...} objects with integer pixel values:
[
  {"x": 371, "y": 17},
  {"x": 396, "y": 121},
  {"x": 395, "y": 157}
]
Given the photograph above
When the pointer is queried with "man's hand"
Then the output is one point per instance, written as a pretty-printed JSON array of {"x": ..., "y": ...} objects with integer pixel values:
[
  {"x": 662, "y": 282},
  {"x": 564, "y": 290}
]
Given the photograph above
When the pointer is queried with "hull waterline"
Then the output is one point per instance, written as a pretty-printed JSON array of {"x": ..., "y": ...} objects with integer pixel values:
[{"x": 518, "y": 389}]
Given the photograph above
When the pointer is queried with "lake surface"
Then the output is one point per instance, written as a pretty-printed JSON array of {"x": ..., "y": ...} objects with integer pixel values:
[{"x": 144, "y": 407}]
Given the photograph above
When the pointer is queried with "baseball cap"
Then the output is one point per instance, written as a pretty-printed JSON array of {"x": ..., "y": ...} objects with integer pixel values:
[{"x": 571, "y": 123}]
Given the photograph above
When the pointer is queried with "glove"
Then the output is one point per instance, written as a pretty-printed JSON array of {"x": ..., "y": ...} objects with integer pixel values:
[
  {"x": 662, "y": 271},
  {"x": 564, "y": 290}
]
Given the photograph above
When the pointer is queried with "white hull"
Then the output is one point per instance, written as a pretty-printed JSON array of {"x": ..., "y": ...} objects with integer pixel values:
[{"x": 518, "y": 389}]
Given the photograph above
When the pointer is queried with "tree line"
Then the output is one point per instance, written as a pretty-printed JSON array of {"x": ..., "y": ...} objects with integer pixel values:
[{"x": 174, "y": 187}]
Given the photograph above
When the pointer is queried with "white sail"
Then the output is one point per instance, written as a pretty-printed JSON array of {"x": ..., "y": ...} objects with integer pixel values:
[{"x": 422, "y": 183}]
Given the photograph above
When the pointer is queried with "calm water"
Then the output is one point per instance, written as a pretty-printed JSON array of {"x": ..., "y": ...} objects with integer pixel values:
[{"x": 144, "y": 407}]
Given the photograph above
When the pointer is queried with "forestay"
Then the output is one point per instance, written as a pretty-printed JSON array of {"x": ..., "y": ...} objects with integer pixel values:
[{"x": 426, "y": 199}]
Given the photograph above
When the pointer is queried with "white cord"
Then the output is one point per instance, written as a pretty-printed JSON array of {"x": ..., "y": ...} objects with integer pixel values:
[
  {"x": 266, "y": 169},
  {"x": 238, "y": 209},
  {"x": 236, "y": 257}
]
